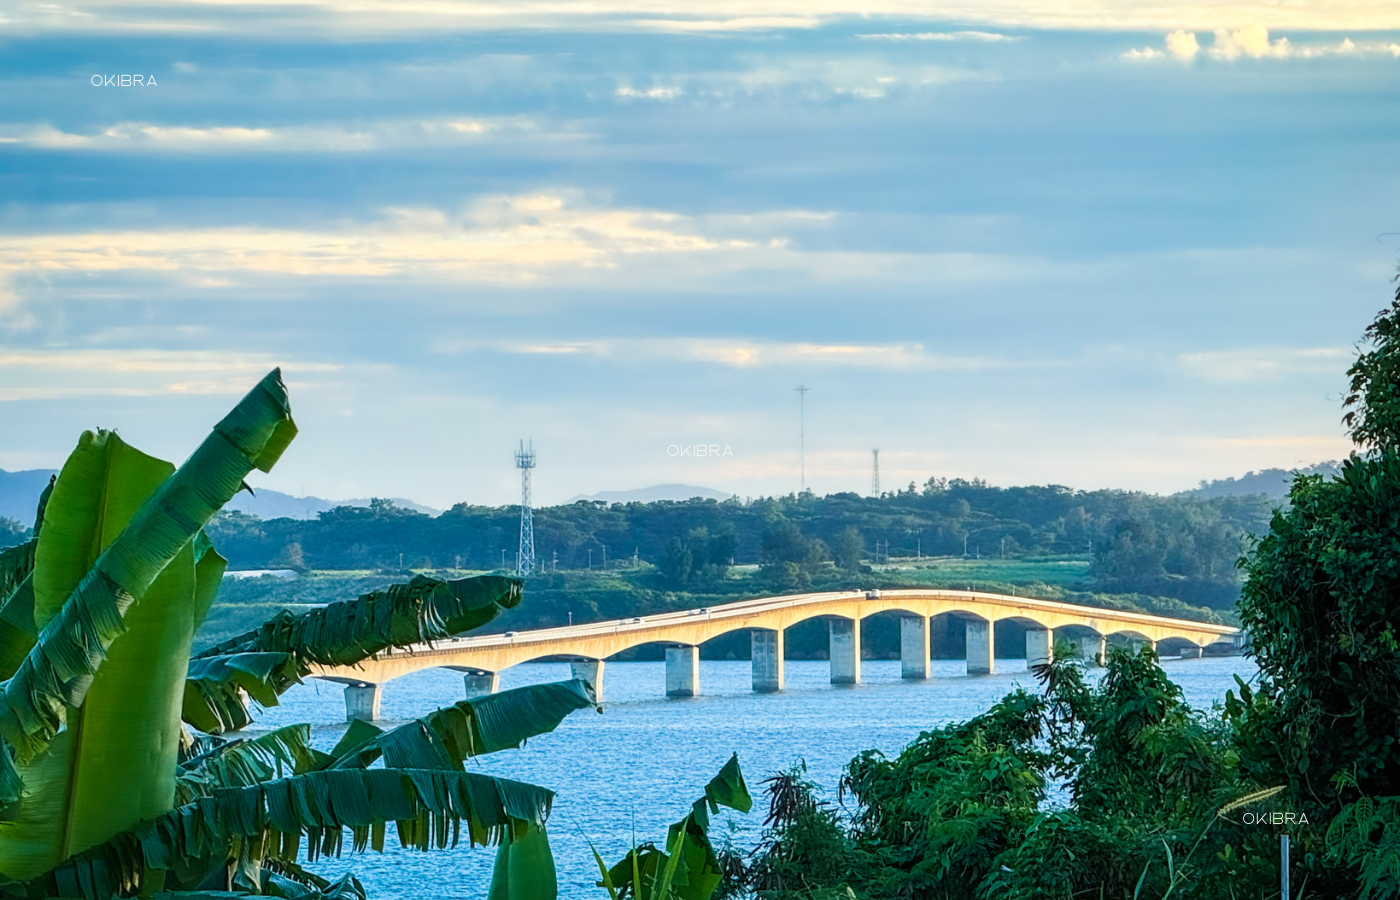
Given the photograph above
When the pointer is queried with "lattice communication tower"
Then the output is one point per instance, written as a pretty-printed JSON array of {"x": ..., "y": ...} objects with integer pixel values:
[
  {"x": 525, "y": 559},
  {"x": 875, "y": 474}
]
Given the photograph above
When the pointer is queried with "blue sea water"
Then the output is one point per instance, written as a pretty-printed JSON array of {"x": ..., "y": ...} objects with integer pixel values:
[{"x": 637, "y": 767}]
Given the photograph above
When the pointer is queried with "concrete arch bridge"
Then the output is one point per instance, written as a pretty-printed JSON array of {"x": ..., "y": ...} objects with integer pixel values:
[{"x": 1046, "y": 622}]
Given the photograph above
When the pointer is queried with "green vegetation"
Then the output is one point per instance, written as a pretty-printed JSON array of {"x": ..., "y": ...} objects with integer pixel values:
[
  {"x": 106, "y": 792},
  {"x": 556, "y": 598},
  {"x": 1137, "y": 543},
  {"x": 1121, "y": 790},
  {"x": 688, "y": 868}
]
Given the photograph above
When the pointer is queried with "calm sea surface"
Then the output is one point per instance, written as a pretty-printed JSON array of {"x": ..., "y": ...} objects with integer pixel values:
[{"x": 637, "y": 767}]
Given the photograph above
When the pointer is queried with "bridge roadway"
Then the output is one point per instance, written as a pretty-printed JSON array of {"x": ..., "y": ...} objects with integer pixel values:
[{"x": 1085, "y": 629}]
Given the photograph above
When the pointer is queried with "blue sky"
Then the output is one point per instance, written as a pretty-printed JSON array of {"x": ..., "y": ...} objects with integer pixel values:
[{"x": 1106, "y": 244}]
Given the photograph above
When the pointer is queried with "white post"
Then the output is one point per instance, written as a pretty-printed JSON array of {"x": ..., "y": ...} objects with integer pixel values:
[
  {"x": 591, "y": 671},
  {"x": 361, "y": 702},
  {"x": 682, "y": 671},
  {"x": 845, "y": 651},
  {"x": 767, "y": 657},
  {"x": 1091, "y": 648},
  {"x": 980, "y": 650},
  {"x": 1040, "y": 646},
  {"x": 481, "y": 684},
  {"x": 913, "y": 647}
]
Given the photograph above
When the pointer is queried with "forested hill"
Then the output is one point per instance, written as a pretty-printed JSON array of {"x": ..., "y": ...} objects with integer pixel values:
[{"x": 1167, "y": 546}]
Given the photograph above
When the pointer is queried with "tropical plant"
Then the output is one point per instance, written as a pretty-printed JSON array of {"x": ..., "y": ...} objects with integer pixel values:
[
  {"x": 105, "y": 792},
  {"x": 688, "y": 868}
]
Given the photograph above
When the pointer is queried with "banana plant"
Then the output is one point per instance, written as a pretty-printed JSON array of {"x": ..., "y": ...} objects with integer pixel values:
[
  {"x": 114, "y": 779},
  {"x": 687, "y": 869}
]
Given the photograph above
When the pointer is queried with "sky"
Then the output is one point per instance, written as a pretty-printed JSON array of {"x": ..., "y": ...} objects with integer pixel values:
[{"x": 1095, "y": 243}]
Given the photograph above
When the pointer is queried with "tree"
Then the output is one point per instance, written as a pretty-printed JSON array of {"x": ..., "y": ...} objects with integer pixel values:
[
  {"x": 788, "y": 558},
  {"x": 850, "y": 548},
  {"x": 1319, "y": 606},
  {"x": 105, "y": 792}
]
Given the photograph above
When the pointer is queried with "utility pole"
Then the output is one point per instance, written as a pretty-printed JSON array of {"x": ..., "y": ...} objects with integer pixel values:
[{"x": 802, "y": 390}]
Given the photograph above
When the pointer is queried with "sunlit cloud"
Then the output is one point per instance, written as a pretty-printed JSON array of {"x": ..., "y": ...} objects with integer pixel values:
[
  {"x": 1262, "y": 364},
  {"x": 140, "y": 137},
  {"x": 715, "y": 16},
  {"x": 1253, "y": 42},
  {"x": 973, "y": 36},
  {"x": 510, "y": 238},
  {"x": 751, "y": 354},
  {"x": 67, "y": 373}
]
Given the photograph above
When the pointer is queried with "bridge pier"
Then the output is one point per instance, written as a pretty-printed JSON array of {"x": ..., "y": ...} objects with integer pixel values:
[
  {"x": 767, "y": 655},
  {"x": 913, "y": 647},
  {"x": 1040, "y": 646},
  {"x": 1136, "y": 645},
  {"x": 1190, "y": 652},
  {"x": 683, "y": 671},
  {"x": 981, "y": 658},
  {"x": 591, "y": 671},
  {"x": 845, "y": 651},
  {"x": 481, "y": 684},
  {"x": 1091, "y": 648},
  {"x": 362, "y": 702}
]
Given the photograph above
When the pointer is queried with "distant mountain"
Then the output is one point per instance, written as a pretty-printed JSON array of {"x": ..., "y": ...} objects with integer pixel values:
[
  {"x": 1271, "y": 482},
  {"x": 269, "y": 504},
  {"x": 19, "y": 498},
  {"x": 19, "y": 494},
  {"x": 656, "y": 492}
]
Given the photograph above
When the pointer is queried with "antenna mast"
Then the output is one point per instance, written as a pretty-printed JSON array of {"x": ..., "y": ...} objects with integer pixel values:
[
  {"x": 875, "y": 474},
  {"x": 802, "y": 390},
  {"x": 525, "y": 559}
]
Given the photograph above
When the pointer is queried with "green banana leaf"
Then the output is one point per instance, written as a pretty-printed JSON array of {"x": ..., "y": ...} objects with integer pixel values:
[
  {"x": 284, "y": 751},
  {"x": 688, "y": 869},
  {"x": 524, "y": 868},
  {"x": 428, "y": 806},
  {"x": 444, "y": 738},
  {"x": 89, "y": 572},
  {"x": 265, "y": 662}
]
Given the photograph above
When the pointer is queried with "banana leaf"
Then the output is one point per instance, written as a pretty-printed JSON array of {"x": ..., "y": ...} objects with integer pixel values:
[
  {"x": 265, "y": 662},
  {"x": 688, "y": 869},
  {"x": 443, "y": 739},
  {"x": 270, "y": 820},
  {"x": 524, "y": 868},
  {"x": 81, "y": 603},
  {"x": 284, "y": 751}
]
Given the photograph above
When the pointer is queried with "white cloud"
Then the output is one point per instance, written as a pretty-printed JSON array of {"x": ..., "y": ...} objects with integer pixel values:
[
  {"x": 65, "y": 373},
  {"x": 1253, "y": 42},
  {"x": 737, "y": 23},
  {"x": 141, "y": 137},
  {"x": 977, "y": 36},
  {"x": 656, "y": 93},
  {"x": 1261, "y": 364},
  {"x": 748, "y": 354},
  {"x": 719, "y": 16}
]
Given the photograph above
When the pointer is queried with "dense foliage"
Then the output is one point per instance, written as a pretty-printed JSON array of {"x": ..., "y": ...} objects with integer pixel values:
[
  {"x": 1140, "y": 543},
  {"x": 113, "y": 779},
  {"x": 1112, "y": 791},
  {"x": 1121, "y": 790}
]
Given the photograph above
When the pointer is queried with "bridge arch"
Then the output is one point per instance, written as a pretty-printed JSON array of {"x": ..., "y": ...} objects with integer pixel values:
[{"x": 919, "y": 612}]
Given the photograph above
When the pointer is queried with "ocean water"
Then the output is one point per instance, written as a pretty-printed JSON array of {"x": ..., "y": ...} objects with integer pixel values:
[{"x": 637, "y": 767}]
